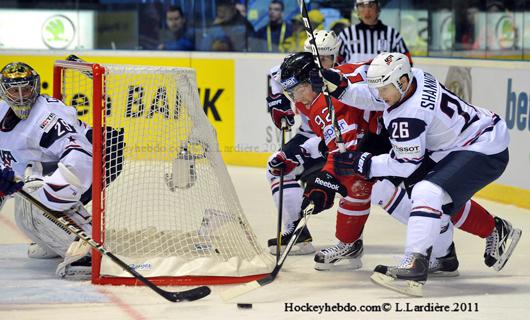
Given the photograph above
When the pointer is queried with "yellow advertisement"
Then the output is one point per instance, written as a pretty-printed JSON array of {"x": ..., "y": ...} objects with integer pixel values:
[{"x": 216, "y": 95}]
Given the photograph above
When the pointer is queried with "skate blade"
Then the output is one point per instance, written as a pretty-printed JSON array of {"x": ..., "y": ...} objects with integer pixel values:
[
  {"x": 298, "y": 249},
  {"x": 343, "y": 264},
  {"x": 408, "y": 287},
  {"x": 514, "y": 237}
]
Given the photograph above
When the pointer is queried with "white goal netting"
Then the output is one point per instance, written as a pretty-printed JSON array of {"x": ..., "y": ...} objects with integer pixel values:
[{"x": 168, "y": 205}]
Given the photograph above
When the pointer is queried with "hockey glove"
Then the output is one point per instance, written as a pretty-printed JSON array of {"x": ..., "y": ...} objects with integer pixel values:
[
  {"x": 335, "y": 82},
  {"x": 280, "y": 108},
  {"x": 321, "y": 191},
  {"x": 33, "y": 179},
  {"x": 8, "y": 185},
  {"x": 281, "y": 161},
  {"x": 352, "y": 162}
]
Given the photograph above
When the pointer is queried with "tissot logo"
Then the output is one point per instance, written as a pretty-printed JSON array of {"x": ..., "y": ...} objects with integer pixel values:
[{"x": 58, "y": 32}]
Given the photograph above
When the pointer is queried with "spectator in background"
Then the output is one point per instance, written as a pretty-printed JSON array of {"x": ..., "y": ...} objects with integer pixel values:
[
  {"x": 276, "y": 31},
  {"x": 242, "y": 7},
  {"x": 368, "y": 38},
  {"x": 222, "y": 44},
  {"x": 234, "y": 25},
  {"x": 149, "y": 25},
  {"x": 466, "y": 26},
  {"x": 295, "y": 43},
  {"x": 177, "y": 36}
]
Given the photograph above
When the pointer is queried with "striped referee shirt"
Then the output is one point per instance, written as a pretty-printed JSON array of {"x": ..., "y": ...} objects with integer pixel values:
[{"x": 361, "y": 42}]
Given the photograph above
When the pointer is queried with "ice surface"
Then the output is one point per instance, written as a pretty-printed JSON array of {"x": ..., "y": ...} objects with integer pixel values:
[{"x": 29, "y": 289}]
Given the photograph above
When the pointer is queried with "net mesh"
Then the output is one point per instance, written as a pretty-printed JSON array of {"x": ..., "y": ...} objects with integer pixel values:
[{"x": 169, "y": 206}]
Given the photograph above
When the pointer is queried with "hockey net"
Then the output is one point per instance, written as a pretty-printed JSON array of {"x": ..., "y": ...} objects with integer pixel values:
[{"x": 162, "y": 199}]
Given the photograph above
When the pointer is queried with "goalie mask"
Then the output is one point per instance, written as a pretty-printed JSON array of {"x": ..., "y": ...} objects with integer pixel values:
[
  {"x": 19, "y": 87},
  {"x": 295, "y": 70}
]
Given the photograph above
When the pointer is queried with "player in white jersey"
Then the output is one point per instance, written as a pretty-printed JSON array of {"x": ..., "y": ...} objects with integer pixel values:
[
  {"x": 469, "y": 149},
  {"x": 36, "y": 130},
  {"x": 300, "y": 157}
]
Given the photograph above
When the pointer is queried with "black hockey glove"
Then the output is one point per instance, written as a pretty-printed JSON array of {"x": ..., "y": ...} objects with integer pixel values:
[
  {"x": 352, "y": 162},
  {"x": 320, "y": 190},
  {"x": 8, "y": 185},
  {"x": 280, "y": 108},
  {"x": 281, "y": 161},
  {"x": 335, "y": 81}
]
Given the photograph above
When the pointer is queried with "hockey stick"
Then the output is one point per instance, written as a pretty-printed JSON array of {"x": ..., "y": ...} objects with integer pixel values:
[
  {"x": 280, "y": 200},
  {"x": 314, "y": 49},
  {"x": 64, "y": 222},
  {"x": 250, "y": 286}
]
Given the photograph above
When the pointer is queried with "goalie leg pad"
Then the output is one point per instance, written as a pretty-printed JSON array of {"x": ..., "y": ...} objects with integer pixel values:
[
  {"x": 41, "y": 251},
  {"x": 45, "y": 233},
  {"x": 77, "y": 262}
]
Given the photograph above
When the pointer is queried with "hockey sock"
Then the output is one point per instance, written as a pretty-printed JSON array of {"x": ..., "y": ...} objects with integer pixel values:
[
  {"x": 444, "y": 239},
  {"x": 474, "y": 219},
  {"x": 292, "y": 200},
  {"x": 422, "y": 231},
  {"x": 392, "y": 199},
  {"x": 351, "y": 217}
]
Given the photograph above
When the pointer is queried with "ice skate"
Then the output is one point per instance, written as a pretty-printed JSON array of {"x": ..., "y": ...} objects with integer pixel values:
[
  {"x": 79, "y": 270},
  {"x": 407, "y": 278},
  {"x": 36, "y": 251},
  {"x": 500, "y": 244},
  {"x": 302, "y": 246},
  {"x": 446, "y": 266},
  {"x": 341, "y": 256}
]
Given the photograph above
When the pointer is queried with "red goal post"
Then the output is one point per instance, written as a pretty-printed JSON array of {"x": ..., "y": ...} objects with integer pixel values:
[{"x": 164, "y": 202}]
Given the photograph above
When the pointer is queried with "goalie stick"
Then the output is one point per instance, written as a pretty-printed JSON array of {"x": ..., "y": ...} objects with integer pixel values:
[
  {"x": 63, "y": 221},
  {"x": 310, "y": 34},
  {"x": 250, "y": 286}
]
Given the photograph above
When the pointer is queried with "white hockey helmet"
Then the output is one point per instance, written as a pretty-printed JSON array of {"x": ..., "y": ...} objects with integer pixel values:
[
  {"x": 358, "y": 2},
  {"x": 389, "y": 67},
  {"x": 327, "y": 44}
]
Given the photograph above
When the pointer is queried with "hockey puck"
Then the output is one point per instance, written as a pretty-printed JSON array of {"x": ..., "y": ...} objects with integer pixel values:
[{"x": 244, "y": 305}]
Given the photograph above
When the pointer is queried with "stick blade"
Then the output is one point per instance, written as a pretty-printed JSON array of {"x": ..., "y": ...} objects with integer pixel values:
[
  {"x": 240, "y": 290},
  {"x": 188, "y": 295}
]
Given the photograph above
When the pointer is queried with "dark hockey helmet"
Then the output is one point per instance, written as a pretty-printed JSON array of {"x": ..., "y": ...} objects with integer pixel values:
[
  {"x": 295, "y": 69},
  {"x": 19, "y": 87}
]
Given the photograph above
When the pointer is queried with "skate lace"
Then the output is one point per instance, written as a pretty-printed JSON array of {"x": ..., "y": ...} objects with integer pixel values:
[
  {"x": 338, "y": 248},
  {"x": 406, "y": 261},
  {"x": 491, "y": 242},
  {"x": 289, "y": 230}
]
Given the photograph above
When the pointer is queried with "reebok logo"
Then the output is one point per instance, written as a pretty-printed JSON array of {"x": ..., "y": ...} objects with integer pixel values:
[{"x": 327, "y": 184}]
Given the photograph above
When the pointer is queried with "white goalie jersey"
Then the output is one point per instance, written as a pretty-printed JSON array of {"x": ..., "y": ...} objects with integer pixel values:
[
  {"x": 435, "y": 122},
  {"x": 52, "y": 133}
]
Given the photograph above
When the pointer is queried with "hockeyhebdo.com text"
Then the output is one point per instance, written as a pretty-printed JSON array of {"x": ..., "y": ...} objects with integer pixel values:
[{"x": 170, "y": 149}]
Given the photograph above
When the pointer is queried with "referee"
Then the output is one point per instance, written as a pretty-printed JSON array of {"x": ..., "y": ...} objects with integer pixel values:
[{"x": 365, "y": 40}]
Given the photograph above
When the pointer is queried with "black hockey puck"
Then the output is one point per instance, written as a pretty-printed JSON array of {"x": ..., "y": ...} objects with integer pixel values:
[{"x": 244, "y": 305}]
